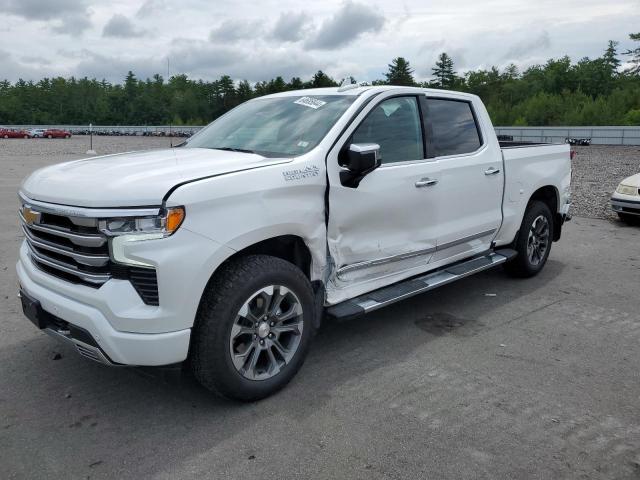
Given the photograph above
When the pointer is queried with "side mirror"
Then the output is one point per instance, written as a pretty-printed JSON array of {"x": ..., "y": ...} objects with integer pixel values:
[{"x": 359, "y": 160}]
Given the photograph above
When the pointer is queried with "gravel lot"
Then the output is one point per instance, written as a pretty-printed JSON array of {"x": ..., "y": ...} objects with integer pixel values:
[
  {"x": 597, "y": 170},
  {"x": 488, "y": 378}
]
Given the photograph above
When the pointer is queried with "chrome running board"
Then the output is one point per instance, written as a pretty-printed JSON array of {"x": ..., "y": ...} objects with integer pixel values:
[{"x": 408, "y": 288}]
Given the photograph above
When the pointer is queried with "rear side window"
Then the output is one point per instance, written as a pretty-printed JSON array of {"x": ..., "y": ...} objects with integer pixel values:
[{"x": 453, "y": 127}]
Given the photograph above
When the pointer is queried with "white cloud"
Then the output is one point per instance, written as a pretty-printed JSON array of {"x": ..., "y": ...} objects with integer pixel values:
[
  {"x": 290, "y": 26},
  {"x": 121, "y": 26},
  {"x": 349, "y": 22},
  {"x": 64, "y": 16},
  {"x": 259, "y": 40}
]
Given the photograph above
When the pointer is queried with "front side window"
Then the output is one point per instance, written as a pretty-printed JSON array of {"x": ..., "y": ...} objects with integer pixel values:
[
  {"x": 273, "y": 127},
  {"x": 453, "y": 127},
  {"x": 395, "y": 125}
]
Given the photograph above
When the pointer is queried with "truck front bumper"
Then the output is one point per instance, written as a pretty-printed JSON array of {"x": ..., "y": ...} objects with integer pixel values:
[{"x": 87, "y": 329}]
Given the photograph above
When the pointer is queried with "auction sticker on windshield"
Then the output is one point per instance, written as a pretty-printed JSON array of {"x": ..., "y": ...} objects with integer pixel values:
[{"x": 310, "y": 102}]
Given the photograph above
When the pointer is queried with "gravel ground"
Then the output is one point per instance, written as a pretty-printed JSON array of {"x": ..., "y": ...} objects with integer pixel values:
[
  {"x": 597, "y": 170},
  {"x": 488, "y": 378}
]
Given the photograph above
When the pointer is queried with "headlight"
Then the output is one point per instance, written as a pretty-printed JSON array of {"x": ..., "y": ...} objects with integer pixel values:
[
  {"x": 627, "y": 189},
  {"x": 162, "y": 225},
  {"x": 128, "y": 230}
]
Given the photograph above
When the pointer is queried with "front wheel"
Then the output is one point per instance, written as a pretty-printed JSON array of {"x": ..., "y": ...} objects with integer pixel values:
[
  {"x": 534, "y": 241},
  {"x": 253, "y": 328}
]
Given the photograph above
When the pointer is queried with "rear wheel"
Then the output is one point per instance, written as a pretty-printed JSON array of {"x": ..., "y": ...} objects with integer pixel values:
[
  {"x": 49, "y": 136},
  {"x": 253, "y": 328},
  {"x": 534, "y": 241}
]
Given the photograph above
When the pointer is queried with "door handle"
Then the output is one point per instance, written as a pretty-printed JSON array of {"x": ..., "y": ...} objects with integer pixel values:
[
  {"x": 426, "y": 182},
  {"x": 492, "y": 171}
]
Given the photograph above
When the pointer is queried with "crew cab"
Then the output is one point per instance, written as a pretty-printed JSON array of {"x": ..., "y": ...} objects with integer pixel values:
[{"x": 227, "y": 251}]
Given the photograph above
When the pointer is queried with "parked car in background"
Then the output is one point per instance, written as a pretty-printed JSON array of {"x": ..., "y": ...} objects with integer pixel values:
[
  {"x": 583, "y": 142},
  {"x": 11, "y": 133},
  {"x": 37, "y": 132},
  {"x": 625, "y": 201},
  {"x": 56, "y": 133}
]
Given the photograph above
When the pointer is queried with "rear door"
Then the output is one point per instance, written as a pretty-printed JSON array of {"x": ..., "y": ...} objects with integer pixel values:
[
  {"x": 385, "y": 228},
  {"x": 472, "y": 181}
]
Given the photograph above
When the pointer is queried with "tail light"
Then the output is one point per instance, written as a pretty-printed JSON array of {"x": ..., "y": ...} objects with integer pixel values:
[{"x": 573, "y": 154}]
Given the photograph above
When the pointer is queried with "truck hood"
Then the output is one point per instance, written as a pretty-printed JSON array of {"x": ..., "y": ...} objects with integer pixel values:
[{"x": 134, "y": 178}]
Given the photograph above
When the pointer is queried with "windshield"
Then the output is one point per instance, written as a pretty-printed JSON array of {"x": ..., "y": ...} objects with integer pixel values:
[{"x": 280, "y": 126}]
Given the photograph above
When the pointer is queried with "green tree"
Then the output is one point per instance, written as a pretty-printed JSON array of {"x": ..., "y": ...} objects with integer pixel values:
[
  {"x": 445, "y": 76},
  {"x": 295, "y": 84},
  {"x": 610, "y": 57},
  {"x": 321, "y": 79},
  {"x": 400, "y": 73},
  {"x": 559, "y": 92},
  {"x": 245, "y": 92}
]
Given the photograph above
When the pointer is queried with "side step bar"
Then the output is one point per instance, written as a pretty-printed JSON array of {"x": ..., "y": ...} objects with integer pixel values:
[{"x": 408, "y": 288}]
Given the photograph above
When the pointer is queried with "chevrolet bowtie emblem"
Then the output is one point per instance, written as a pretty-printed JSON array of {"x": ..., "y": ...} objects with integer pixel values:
[{"x": 30, "y": 216}]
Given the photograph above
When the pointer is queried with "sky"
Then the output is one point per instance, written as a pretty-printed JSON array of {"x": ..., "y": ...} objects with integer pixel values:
[{"x": 260, "y": 40}]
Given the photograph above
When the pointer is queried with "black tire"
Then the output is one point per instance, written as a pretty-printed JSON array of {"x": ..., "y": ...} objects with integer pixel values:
[
  {"x": 629, "y": 219},
  {"x": 523, "y": 266},
  {"x": 229, "y": 289}
]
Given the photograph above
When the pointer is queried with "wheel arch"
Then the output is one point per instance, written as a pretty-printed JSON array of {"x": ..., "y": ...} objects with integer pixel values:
[{"x": 291, "y": 248}]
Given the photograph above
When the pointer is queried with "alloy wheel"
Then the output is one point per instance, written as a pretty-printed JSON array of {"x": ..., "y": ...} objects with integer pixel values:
[
  {"x": 266, "y": 332},
  {"x": 538, "y": 240}
]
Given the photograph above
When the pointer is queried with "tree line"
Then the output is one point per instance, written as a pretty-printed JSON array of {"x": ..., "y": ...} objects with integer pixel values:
[{"x": 560, "y": 92}]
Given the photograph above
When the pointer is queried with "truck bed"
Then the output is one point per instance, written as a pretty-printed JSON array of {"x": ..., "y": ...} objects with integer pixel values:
[{"x": 515, "y": 144}]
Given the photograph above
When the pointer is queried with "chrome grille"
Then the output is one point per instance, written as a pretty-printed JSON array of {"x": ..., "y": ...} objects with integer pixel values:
[{"x": 69, "y": 247}]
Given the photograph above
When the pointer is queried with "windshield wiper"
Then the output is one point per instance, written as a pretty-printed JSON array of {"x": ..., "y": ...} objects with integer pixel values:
[{"x": 231, "y": 149}]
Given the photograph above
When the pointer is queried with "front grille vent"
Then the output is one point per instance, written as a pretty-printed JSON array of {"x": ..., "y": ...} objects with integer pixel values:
[
  {"x": 144, "y": 280},
  {"x": 70, "y": 248}
]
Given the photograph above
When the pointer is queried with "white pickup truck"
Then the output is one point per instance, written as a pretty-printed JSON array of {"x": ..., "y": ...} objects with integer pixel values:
[{"x": 228, "y": 250}]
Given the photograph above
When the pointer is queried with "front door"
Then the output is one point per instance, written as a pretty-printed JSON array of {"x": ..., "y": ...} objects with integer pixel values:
[{"x": 383, "y": 230}]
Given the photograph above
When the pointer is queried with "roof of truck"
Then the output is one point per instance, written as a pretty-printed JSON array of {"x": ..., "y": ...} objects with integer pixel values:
[{"x": 356, "y": 90}]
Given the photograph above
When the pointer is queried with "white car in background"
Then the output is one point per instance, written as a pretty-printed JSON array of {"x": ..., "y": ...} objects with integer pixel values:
[
  {"x": 625, "y": 201},
  {"x": 37, "y": 132}
]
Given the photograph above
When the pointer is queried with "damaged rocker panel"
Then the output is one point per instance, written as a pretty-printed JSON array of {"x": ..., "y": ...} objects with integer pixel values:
[{"x": 395, "y": 258}]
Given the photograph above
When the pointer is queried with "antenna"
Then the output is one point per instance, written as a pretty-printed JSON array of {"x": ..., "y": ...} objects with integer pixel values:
[{"x": 170, "y": 133}]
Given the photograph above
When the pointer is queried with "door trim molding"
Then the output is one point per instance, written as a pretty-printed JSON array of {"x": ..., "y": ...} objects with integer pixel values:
[
  {"x": 381, "y": 261},
  {"x": 466, "y": 239},
  {"x": 395, "y": 258}
]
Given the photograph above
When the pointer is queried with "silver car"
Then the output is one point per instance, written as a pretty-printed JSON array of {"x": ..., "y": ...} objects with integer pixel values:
[{"x": 37, "y": 132}]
